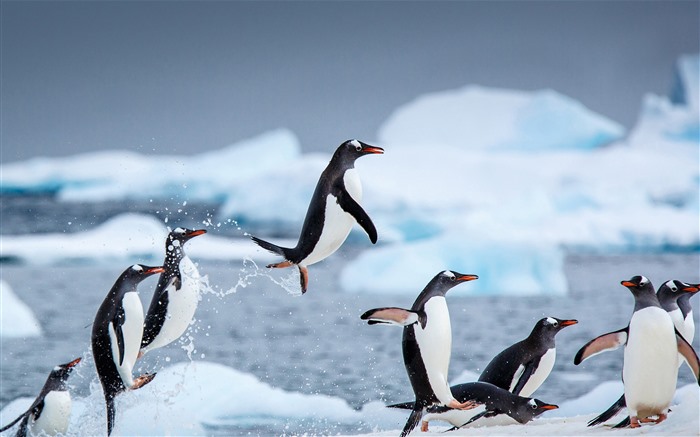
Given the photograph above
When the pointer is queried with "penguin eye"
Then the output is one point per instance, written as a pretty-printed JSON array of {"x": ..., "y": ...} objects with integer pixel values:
[
  {"x": 358, "y": 147},
  {"x": 555, "y": 324},
  {"x": 533, "y": 406}
]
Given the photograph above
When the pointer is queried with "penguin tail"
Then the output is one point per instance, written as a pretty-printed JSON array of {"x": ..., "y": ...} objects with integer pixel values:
[
  {"x": 282, "y": 251},
  {"x": 609, "y": 413},
  {"x": 403, "y": 405},
  {"x": 11, "y": 424},
  {"x": 413, "y": 421},
  {"x": 110, "y": 414}
]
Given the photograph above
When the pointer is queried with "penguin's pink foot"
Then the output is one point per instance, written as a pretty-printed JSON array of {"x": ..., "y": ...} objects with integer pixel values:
[
  {"x": 281, "y": 265},
  {"x": 138, "y": 357},
  {"x": 660, "y": 418},
  {"x": 424, "y": 426},
  {"x": 142, "y": 380},
  {"x": 303, "y": 278},
  {"x": 634, "y": 422},
  {"x": 468, "y": 405}
]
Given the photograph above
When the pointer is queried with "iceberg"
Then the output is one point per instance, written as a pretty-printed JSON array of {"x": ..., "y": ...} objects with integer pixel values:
[
  {"x": 16, "y": 318},
  {"x": 126, "y": 238},
  {"x": 480, "y": 118}
]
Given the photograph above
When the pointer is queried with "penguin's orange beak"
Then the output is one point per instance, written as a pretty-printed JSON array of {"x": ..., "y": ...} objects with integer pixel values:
[
  {"x": 628, "y": 284},
  {"x": 374, "y": 149},
  {"x": 153, "y": 270},
  {"x": 692, "y": 289},
  {"x": 74, "y": 362},
  {"x": 568, "y": 322},
  {"x": 549, "y": 407},
  {"x": 197, "y": 232},
  {"x": 467, "y": 278}
]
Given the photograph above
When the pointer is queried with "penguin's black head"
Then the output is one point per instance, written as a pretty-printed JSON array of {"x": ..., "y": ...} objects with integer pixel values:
[
  {"x": 447, "y": 279},
  {"x": 671, "y": 291},
  {"x": 139, "y": 272},
  {"x": 638, "y": 284},
  {"x": 350, "y": 150},
  {"x": 527, "y": 409},
  {"x": 551, "y": 325},
  {"x": 179, "y": 236},
  {"x": 62, "y": 371}
]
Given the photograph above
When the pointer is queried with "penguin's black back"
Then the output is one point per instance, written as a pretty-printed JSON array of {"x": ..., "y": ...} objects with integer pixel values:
[{"x": 502, "y": 368}]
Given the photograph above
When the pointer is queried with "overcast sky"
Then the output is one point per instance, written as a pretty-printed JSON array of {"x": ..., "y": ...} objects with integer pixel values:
[{"x": 182, "y": 77}]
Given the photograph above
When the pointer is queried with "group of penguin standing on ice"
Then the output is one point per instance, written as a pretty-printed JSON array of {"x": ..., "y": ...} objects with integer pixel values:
[{"x": 656, "y": 340}]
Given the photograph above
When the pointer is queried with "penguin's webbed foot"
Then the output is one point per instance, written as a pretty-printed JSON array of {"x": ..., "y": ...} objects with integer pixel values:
[
  {"x": 142, "y": 380},
  {"x": 281, "y": 265},
  {"x": 424, "y": 426},
  {"x": 634, "y": 422},
  {"x": 303, "y": 278},
  {"x": 468, "y": 405}
]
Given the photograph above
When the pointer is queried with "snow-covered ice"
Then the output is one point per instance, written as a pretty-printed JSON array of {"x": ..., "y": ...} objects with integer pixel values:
[
  {"x": 191, "y": 397},
  {"x": 16, "y": 318}
]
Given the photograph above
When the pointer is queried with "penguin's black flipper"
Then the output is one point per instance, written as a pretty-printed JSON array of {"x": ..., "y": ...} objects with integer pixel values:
[
  {"x": 11, "y": 424},
  {"x": 110, "y": 414},
  {"x": 117, "y": 325},
  {"x": 624, "y": 424},
  {"x": 602, "y": 343},
  {"x": 530, "y": 368},
  {"x": 349, "y": 205},
  {"x": 685, "y": 349},
  {"x": 412, "y": 422},
  {"x": 403, "y": 406},
  {"x": 487, "y": 413},
  {"x": 609, "y": 413},
  {"x": 451, "y": 429}
]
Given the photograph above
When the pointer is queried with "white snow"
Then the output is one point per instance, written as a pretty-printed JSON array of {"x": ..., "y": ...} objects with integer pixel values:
[
  {"x": 16, "y": 318},
  {"x": 126, "y": 238},
  {"x": 190, "y": 398}
]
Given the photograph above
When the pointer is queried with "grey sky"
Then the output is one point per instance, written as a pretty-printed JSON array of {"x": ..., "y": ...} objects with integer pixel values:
[{"x": 183, "y": 77}]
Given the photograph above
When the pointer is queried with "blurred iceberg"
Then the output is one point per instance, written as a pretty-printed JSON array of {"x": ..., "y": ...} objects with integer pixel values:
[{"x": 16, "y": 318}]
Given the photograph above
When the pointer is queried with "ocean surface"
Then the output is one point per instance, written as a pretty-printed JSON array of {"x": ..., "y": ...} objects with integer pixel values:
[{"x": 315, "y": 343}]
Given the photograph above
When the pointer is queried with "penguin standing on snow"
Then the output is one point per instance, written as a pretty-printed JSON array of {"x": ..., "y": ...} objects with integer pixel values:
[
  {"x": 652, "y": 345},
  {"x": 669, "y": 294},
  {"x": 50, "y": 412},
  {"x": 495, "y": 400},
  {"x": 427, "y": 344},
  {"x": 177, "y": 294},
  {"x": 116, "y": 337},
  {"x": 334, "y": 206},
  {"x": 523, "y": 367}
]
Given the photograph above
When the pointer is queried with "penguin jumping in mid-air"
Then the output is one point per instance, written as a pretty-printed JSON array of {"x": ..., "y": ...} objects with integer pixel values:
[
  {"x": 669, "y": 294},
  {"x": 50, "y": 412},
  {"x": 495, "y": 401},
  {"x": 427, "y": 344},
  {"x": 334, "y": 206},
  {"x": 652, "y": 346},
  {"x": 523, "y": 367},
  {"x": 116, "y": 337},
  {"x": 177, "y": 294}
]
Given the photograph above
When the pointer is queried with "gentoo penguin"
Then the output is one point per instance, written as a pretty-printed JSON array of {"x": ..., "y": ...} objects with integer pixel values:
[
  {"x": 687, "y": 311},
  {"x": 427, "y": 344},
  {"x": 334, "y": 206},
  {"x": 652, "y": 344},
  {"x": 50, "y": 412},
  {"x": 523, "y": 367},
  {"x": 669, "y": 295},
  {"x": 495, "y": 401},
  {"x": 116, "y": 336},
  {"x": 177, "y": 294}
]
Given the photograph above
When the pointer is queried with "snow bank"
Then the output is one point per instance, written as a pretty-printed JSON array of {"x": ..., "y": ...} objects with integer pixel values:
[
  {"x": 193, "y": 398},
  {"x": 16, "y": 318},
  {"x": 476, "y": 117},
  {"x": 124, "y": 238}
]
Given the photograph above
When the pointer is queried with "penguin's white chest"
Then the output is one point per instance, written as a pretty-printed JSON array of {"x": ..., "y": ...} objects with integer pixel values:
[
  {"x": 544, "y": 368},
  {"x": 651, "y": 362},
  {"x": 55, "y": 416},
  {"x": 435, "y": 344},
  {"x": 182, "y": 305},
  {"x": 337, "y": 223},
  {"x": 689, "y": 327},
  {"x": 132, "y": 331}
]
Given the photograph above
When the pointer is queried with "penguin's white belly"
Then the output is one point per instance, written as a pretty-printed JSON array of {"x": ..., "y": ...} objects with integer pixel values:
[
  {"x": 679, "y": 324},
  {"x": 182, "y": 305},
  {"x": 435, "y": 344},
  {"x": 544, "y": 368},
  {"x": 337, "y": 223},
  {"x": 651, "y": 362},
  {"x": 55, "y": 416},
  {"x": 455, "y": 417},
  {"x": 132, "y": 330},
  {"x": 689, "y": 327}
]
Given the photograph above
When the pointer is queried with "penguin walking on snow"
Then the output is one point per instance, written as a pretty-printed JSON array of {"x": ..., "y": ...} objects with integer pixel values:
[
  {"x": 177, "y": 294},
  {"x": 652, "y": 345},
  {"x": 669, "y": 294},
  {"x": 116, "y": 337},
  {"x": 522, "y": 368},
  {"x": 50, "y": 412},
  {"x": 334, "y": 206},
  {"x": 495, "y": 401},
  {"x": 427, "y": 344}
]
